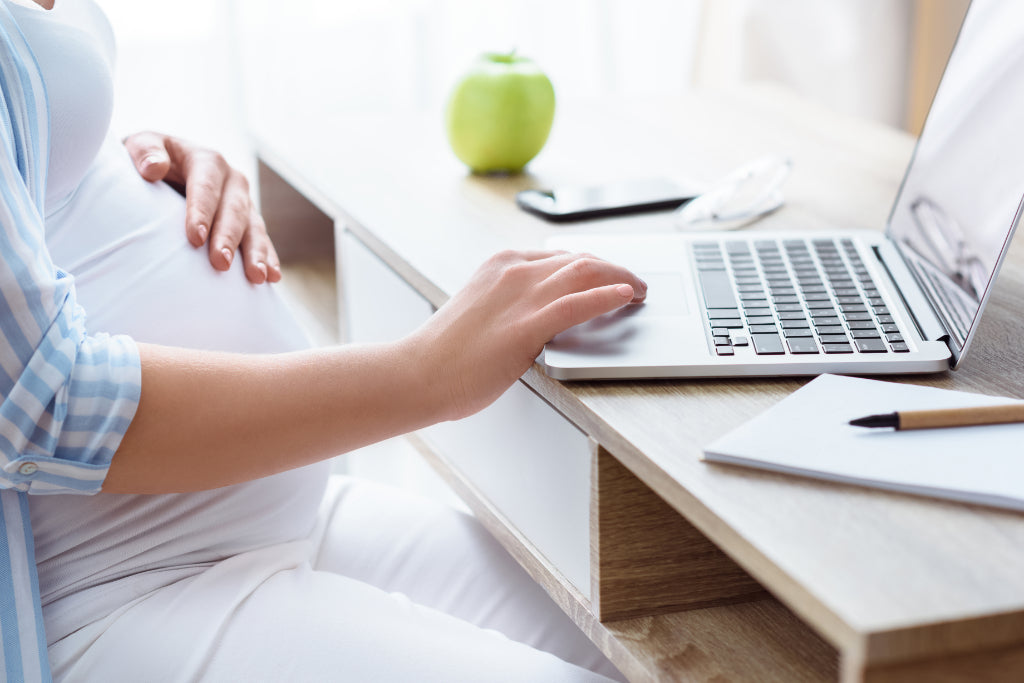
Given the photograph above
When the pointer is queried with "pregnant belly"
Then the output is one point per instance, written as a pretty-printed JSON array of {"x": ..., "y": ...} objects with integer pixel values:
[{"x": 123, "y": 240}]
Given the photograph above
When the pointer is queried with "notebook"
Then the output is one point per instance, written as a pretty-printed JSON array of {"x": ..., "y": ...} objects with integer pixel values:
[
  {"x": 773, "y": 303},
  {"x": 808, "y": 434}
]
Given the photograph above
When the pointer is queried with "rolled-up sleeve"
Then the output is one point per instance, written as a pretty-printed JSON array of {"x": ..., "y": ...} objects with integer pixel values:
[{"x": 68, "y": 397}]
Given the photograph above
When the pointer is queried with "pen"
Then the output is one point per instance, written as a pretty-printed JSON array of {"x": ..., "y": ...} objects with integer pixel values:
[{"x": 948, "y": 417}]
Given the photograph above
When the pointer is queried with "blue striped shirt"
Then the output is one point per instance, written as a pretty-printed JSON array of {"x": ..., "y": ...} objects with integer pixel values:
[{"x": 68, "y": 398}]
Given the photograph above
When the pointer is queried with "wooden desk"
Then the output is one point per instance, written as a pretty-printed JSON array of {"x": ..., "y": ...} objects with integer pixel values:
[{"x": 678, "y": 569}]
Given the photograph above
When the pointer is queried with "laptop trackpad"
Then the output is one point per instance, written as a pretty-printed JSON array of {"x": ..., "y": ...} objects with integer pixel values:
[{"x": 656, "y": 321}]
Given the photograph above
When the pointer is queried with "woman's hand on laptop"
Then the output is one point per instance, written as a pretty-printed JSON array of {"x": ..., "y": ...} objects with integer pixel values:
[{"x": 489, "y": 333}]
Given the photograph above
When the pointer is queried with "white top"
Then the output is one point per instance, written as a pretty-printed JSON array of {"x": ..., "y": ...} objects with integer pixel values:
[
  {"x": 123, "y": 240},
  {"x": 74, "y": 46}
]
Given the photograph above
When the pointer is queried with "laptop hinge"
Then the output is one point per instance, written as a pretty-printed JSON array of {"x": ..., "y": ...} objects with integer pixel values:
[{"x": 928, "y": 323}]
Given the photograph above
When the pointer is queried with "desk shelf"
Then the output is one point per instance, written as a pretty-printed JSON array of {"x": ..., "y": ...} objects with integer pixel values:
[{"x": 732, "y": 631}]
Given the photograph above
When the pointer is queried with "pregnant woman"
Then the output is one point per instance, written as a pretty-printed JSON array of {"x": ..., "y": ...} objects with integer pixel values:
[{"x": 164, "y": 428}]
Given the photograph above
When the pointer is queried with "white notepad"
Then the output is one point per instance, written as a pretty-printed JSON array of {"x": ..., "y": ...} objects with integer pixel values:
[{"x": 808, "y": 434}]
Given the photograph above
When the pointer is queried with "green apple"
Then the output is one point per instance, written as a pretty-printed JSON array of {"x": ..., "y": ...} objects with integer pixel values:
[{"x": 500, "y": 113}]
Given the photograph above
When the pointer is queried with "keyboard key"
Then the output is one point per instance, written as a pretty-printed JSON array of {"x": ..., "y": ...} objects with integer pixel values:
[
  {"x": 740, "y": 340},
  {"x": 724, "y": 351},
  {"x": 788, "y": 307},
  {"x": 760, "y": 320},
  {"x": 826, "y": 303},
  {"x": 786, "y": 299},
  {"x": 865, "y": 334},
  {"x": 830, "y": 329},
  {"x": 837, "y": 348},
  {"x": 861, "y": 324},
  {"x": 777, "y": 278},
  {"x": 892, "y": 338},
  {"x": 791, "y": 315},
  {"x": 728, "y": 324},
  {"x": 722, "y": 341},
  {"x": 885, "y": 319},
  {"x": 767, "y": 344},
  {"x": 890, "y": 327},
  {"x": 900, "y": 347},
  {"x": 820, "y": 320},
  {"x": 757, "y": 311},
  {"x": 802, "y": 345},
  {"x": 798, "y": 332},
  {"x": 834, "y": 339},
  {"x": 717, "y": 289},
  {"x": 857, "y": 316},
  {"x": 871, "y": 345},
  {"x": 817, "y": 296},
  {"x": 750, "y": 288},
  {"x": 794, "y": 324},
  {"x": 761, "y": 329},
  {"x": 824, "y": 313},
  {"x": 723, "y": 314}
]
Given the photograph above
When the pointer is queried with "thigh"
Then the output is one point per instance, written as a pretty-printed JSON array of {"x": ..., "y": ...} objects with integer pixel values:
[
  {"x": 237, "y": 622},
  {"x": 444, "y": 559},
  {"x": 320, "y": 626}
]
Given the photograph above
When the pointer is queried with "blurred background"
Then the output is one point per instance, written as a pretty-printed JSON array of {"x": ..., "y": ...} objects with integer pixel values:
[
  {"x": 207, "y": 69},
  {"x": 203, "y": 69}
]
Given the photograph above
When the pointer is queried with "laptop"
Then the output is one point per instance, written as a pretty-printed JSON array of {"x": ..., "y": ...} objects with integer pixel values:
[{"x": 803, "y": 303}]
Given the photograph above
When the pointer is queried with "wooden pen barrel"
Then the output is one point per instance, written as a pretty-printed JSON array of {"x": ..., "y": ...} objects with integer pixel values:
[{"x": 961, "y": 417}]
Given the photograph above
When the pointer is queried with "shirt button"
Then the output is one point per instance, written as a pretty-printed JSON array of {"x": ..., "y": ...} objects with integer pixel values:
[{"x": 28, "y": 469}]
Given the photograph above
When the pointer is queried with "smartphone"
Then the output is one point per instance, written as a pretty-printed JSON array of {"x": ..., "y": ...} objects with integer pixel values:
[{"x": 612, "y": 199}]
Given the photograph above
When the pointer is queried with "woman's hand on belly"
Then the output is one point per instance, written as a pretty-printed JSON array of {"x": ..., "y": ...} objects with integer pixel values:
[{"x": 218, "y": 208}]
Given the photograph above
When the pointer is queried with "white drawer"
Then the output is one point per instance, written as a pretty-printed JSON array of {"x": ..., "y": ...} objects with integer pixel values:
[
  {"x": 376, "y": 304},
  {"x": 533, "y": 465}
]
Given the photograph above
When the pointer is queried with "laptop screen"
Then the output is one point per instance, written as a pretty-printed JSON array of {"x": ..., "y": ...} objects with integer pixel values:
[{"x": 961, "y": 197}]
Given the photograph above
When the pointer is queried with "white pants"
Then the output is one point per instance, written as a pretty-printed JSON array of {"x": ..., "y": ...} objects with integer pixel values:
[{"x": 386, "y": 588}]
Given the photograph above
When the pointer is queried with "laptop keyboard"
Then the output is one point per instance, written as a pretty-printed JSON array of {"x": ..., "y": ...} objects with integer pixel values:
[{"x": 793, "y": 296}]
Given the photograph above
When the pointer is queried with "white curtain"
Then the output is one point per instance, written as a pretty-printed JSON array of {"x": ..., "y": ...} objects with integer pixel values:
[{"x": 853, "y": 55}]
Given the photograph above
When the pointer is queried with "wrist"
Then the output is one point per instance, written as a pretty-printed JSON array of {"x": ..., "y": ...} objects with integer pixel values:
[{"x": 433, "y": 380}]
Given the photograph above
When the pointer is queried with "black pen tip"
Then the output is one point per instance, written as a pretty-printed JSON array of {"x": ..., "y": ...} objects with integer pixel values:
[{"x": 888, "y": 420}]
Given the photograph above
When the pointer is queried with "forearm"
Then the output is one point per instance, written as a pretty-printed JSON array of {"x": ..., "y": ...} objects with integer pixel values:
[
  {"x": 207, "y": 419},
  {"x": 212, "y": 419}
]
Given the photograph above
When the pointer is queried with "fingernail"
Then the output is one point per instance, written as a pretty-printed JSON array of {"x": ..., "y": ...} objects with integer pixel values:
[
  {"x": 625, "y": 290},
  {"x": 262, "y": 267},
  {"x": 152, "y": 159},
  {"x": 227, "y": 254},
  {"x": 202, "y": 230}
]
